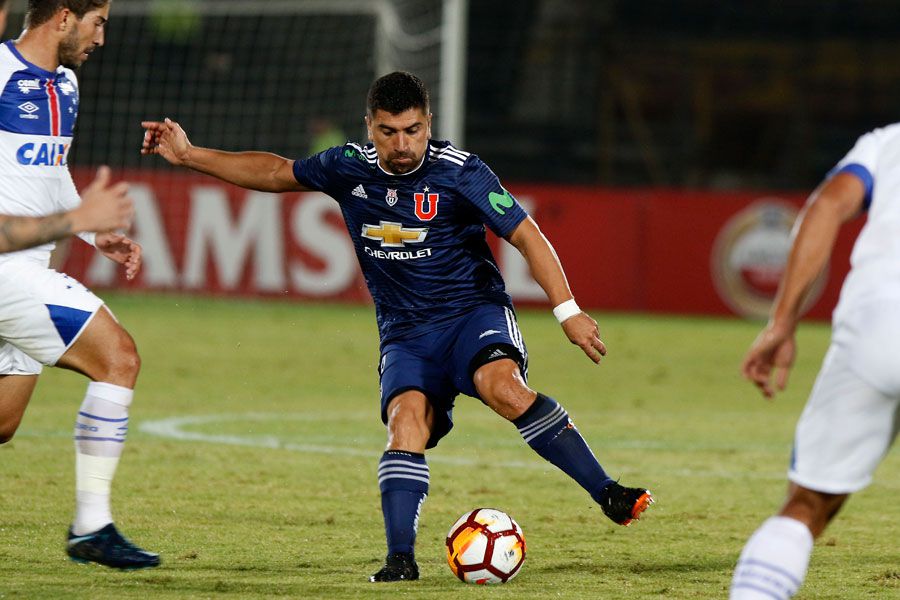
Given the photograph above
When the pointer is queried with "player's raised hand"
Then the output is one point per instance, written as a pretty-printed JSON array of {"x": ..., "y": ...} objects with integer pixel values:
[
  {"x": 120, "y": 249},
  {"x": 582, "y": 331},
  {"x": 167, "y": 139},
  {"x": 771, "y": 356},
  {"x": 104, "y": 207}
]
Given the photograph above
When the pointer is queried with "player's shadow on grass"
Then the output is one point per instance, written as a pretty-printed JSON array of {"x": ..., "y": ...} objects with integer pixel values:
[{"x": 644, "y": 567}]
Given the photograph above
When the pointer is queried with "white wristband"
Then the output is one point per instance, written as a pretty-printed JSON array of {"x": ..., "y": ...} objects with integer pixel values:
[
  {"x": 566, "y": 310},
  {"x": 89, "y": 237}
]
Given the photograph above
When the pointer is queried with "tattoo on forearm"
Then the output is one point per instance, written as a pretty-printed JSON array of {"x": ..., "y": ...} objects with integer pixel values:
[{"x": 18, "y": 233}]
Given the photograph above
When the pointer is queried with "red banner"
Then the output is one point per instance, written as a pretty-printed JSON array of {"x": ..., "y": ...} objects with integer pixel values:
[{"x": 652, "y": 250}]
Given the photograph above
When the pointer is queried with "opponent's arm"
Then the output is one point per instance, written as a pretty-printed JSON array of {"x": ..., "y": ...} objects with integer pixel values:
[
  {"x": 546, "y": 269},
  {"x": 104, "y": 207},
  {"x": 772, "y": 353},
  {"x": 19, "y": 233},
  {"x": 261, "y": 171}
]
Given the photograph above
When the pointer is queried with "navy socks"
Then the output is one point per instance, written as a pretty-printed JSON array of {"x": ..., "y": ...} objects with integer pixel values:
[
  {"x": 549, "y": 431},
  {"x": 403, "y": 480}
]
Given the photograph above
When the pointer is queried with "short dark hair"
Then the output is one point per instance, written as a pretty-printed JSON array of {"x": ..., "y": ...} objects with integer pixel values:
[
  {"x": 40, "y": 11},
  {"x": 397, "y": 92}
]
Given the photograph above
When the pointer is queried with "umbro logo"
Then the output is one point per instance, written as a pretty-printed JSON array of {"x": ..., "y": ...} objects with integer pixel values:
[
  {"x": 28, "y": 109},
  {"x": 360, "y": 192},
  {"x": 487, "y": 333}
]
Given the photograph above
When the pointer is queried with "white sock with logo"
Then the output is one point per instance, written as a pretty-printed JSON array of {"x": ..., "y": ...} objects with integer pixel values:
[
  {"x": 100, "y": 430},
  {"x": 774, "y": 561}
]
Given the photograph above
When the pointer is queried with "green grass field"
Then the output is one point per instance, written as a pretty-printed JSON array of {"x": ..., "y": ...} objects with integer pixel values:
[{"x": 255, "y": 437}]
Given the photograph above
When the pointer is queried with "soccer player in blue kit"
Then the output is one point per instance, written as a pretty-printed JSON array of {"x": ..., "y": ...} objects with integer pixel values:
[{"x": 416, "y": 210}]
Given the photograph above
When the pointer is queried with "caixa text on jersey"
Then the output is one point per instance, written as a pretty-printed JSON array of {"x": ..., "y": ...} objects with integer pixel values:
[{"x": 43, "y": 154}]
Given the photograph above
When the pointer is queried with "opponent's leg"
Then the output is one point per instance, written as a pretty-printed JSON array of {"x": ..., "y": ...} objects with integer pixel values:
[
  {"x": 106, "y": 354},
  {"x": 774, "y": 561},
  {"x": 846, "y": 428},
  {"x": 403, "y": 479},
  {"x": 15, "y": 392},
  {"x": 546, "y": 427}
]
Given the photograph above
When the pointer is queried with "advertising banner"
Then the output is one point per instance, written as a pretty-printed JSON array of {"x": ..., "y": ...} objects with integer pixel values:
[{"x": 649, "y": 250}]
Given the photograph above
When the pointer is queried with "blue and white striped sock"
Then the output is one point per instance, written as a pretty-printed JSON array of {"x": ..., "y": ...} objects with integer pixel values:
[
  {"x": 100, "y": 430},
  {"x": 403, "y": 478},
  {"x": 549, "y": 431},
  {"x": 773, "y": 564}
]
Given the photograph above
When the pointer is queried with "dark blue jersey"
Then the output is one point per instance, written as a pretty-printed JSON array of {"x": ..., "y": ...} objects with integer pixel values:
[{"x": 419, "y": 237}]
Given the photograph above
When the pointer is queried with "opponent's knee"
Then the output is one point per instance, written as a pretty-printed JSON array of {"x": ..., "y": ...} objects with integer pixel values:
[
  {"x": 815, "y": 509},
  {"x": 123, "y": 362},
  {"x": 7, "y": 431}
]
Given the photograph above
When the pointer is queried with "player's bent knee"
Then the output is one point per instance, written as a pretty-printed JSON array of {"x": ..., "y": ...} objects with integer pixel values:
[{"x": 501, "y": 386}]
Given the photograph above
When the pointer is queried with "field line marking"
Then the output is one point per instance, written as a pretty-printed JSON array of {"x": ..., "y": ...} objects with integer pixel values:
[{"x": 174, "y": 428}]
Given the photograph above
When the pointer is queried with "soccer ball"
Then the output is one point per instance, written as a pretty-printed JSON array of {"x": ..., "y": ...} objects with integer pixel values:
[{"x": 485, "y": 545}]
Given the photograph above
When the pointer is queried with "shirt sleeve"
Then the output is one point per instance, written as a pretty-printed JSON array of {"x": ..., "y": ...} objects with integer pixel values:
[
  {"x": 318, "y": 171},
  {"x": 861, "y": 162},
  {"x": 69, "y": 197},
  {"x": 499, "y": 210}
]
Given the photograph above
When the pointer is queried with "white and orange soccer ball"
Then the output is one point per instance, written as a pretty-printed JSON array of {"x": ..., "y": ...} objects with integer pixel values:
[{"x": 485, "y": 545}]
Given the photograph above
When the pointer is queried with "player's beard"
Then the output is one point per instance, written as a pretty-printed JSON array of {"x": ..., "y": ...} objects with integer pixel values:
[
  {"x": 70, "y": 50},
  {"x": 398, "y": 168}
]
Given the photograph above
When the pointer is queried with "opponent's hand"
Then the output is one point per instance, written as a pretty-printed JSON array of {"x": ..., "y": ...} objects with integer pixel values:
[
  {"x": 771, "y": 356},
  {"x": 167, "y": 139},
  {"x": 582, "y": 331},
  {"x": 122, "y": 250},
  {"x": 104, "y": 207}
]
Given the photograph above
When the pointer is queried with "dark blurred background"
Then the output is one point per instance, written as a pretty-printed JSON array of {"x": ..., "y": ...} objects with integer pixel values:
[
  {"x": 688, "y": 93},
  {"x": 708, "y": 93}
]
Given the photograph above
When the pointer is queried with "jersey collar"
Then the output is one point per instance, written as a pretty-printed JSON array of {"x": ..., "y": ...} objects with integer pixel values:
[{"x": 40, "y": 71}]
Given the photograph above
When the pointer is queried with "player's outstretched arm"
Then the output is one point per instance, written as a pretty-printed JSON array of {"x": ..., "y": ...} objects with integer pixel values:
[
  {"x": 546, "y": 269},
  {"x": 104, "y": 207},
  {"x": 261, "y": 171},
  {"x": 769, "y": 360}
]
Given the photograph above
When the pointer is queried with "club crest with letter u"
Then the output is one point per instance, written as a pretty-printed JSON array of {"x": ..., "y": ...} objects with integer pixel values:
[{"x": 426, "y": 210}]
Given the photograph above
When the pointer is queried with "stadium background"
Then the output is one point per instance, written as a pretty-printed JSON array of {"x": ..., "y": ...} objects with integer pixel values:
[{"x": 664, "y": 147}]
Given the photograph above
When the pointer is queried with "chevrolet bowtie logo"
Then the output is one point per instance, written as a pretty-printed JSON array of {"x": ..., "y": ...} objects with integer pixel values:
[{"x": 394, "y": 235}]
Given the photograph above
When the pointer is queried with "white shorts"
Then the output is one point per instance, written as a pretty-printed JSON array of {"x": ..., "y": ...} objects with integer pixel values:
[
  {"x": 853, "y": 413},
  {"x": 42, "y": 313}
]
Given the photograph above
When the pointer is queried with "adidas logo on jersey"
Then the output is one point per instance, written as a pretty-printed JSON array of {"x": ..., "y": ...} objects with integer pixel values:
[
  {"x": 360, "y": 192},
  {"x": 497, "y": 353}
]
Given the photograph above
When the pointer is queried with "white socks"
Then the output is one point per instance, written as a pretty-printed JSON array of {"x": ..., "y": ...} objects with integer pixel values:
[
  {"x": 774, "y": 561},
  {"x": 100, "y": 430}
]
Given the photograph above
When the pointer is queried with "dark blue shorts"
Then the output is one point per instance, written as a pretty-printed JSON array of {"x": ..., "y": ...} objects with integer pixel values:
[{"x": 440, "y": 363}]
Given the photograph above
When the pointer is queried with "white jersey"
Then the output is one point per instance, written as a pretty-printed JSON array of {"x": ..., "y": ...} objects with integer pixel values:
[
  {"x": 875, "y": 261},
  {"x": 38, "y": 109}
]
